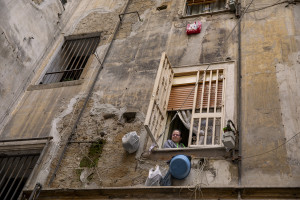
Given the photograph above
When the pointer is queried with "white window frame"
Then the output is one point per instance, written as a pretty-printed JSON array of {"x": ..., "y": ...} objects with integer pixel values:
[{"x": 156, "y": 118}]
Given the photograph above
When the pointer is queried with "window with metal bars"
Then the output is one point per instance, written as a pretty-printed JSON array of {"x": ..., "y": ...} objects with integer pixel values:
[
  {"x": 191, "y": 99},
  {"x": 14, "y": 172},
  {"x": 194, "y": 7},
  {"x": 71, "y": 60}
]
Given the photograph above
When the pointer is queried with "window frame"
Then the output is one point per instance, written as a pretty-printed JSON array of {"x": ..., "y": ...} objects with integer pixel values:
[
  {"x": 229, "y": 92},
  {"x": 57, "y": 53},
  {"x": 185, "y": 15},
  {"x": 21, "y": 151},
  {"x": 204, "y": 90}
]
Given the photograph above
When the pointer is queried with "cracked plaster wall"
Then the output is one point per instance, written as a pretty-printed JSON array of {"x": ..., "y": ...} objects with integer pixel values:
[
  {"x": 270, "y": 95},
  {"x": 27, "y": 30}
]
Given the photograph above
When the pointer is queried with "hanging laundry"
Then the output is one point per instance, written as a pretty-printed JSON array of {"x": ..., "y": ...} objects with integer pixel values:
[{"x": 193, "y": 28}]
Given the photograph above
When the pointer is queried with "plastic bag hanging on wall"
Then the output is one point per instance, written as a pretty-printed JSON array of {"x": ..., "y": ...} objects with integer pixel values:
[{"x": 193, "y": 28}]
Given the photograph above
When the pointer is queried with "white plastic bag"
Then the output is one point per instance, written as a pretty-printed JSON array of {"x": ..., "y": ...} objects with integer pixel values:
[
  {"x": 154, "y": 177},
  {"x": 131, "y": 142}
]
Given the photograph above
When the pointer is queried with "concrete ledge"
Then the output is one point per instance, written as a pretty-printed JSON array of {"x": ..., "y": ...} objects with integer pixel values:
[
  {"x": 54, "y": 85},
  {"x": 22, "y": 146},
  {"x": 167, "y": 154},
  {"x": 171, "y": 193},
  {"x": 208, "y": 13}
]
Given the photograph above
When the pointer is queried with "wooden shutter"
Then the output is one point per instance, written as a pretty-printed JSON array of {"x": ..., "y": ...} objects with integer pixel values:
[
  {"x": 182, "y": 96},
  {"x": 157, "y": 111}
]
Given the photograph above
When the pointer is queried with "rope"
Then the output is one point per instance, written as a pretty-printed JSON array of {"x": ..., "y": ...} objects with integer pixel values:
[{"x": 198, "y": 186}]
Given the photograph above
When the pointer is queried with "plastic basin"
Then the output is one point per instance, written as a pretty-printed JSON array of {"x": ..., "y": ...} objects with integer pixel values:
[{"x": 180, "y": 166}]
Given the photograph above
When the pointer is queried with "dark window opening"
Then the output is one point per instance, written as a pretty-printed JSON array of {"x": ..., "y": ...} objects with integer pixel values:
[
  {"x": 70, "y": 61},
  {"x": 70, "y": 73},
  {"x": 177, "y": 124},
  {"x": 14, "y": 172}
]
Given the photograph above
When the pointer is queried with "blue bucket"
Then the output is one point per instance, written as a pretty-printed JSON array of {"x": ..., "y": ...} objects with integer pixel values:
[{"x": 180, "y": 166}]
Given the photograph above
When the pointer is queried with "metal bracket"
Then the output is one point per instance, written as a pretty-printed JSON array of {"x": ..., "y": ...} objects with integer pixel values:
[
  {"x": 36, "y": 192},
  {"x": 236, "y": 158},
  {"x": 121, "y": 15}
]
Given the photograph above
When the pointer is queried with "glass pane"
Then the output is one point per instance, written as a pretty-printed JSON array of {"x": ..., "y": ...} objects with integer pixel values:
[
  {"x": 195, "y": 9},
  {"x": 217, "y": 131}
]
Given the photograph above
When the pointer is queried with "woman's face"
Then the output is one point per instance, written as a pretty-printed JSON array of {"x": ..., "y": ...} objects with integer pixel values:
[{"x": 176, "y": 137}]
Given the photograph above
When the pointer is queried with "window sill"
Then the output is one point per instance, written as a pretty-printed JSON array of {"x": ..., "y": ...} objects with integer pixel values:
[
  {"x": 55, "y": 85},
  {"x": 203, "y": 14},
  {"x": 218, "y": 152}
]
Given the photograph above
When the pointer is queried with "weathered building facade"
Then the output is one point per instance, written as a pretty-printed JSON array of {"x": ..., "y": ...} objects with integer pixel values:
[{"x": 63, "y": 126}]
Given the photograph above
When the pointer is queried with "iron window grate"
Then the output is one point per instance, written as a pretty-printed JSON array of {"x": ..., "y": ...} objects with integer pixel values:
[
  {"x": 70, "y": 61},
  {"x": 204, "y": 6},
  {"x": 14, "y": 172}
]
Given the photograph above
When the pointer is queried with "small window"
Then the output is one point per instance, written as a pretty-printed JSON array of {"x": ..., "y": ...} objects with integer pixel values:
[
  {"x": 195, "y": 7},
  {"x": 193, "y": 98},
  {"x": 70, "y": 61}
]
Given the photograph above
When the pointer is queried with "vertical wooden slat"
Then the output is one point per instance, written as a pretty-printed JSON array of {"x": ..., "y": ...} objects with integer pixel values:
[
  {"x": 209, "y": 91},
  {"x": 215, "y": 108},
  {"x": 202, "y": 92},
  {"x": 193, "y": 110},
  {"x": 222, "y": 89}
]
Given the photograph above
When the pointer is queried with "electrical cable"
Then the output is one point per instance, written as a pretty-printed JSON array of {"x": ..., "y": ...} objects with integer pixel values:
[
  {"x": 238, "y": 21},
  {"x": 262, "y": 8},
  {"x": 260, "y": 154}
]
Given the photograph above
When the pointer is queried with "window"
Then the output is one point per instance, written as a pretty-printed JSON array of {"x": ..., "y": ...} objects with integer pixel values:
[
  {"x": 70, "y": 61},
  {"x": 197, "y": 97},
  {"x": 14, "y": 172},
  {"x": 194, "y": 7}
]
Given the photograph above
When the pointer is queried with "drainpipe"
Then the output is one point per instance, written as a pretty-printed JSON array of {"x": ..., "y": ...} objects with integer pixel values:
[{"x": 239, "y": 109}]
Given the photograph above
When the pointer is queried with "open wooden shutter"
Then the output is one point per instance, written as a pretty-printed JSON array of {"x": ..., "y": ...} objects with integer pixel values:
[{"x": 157, "y": 111}]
